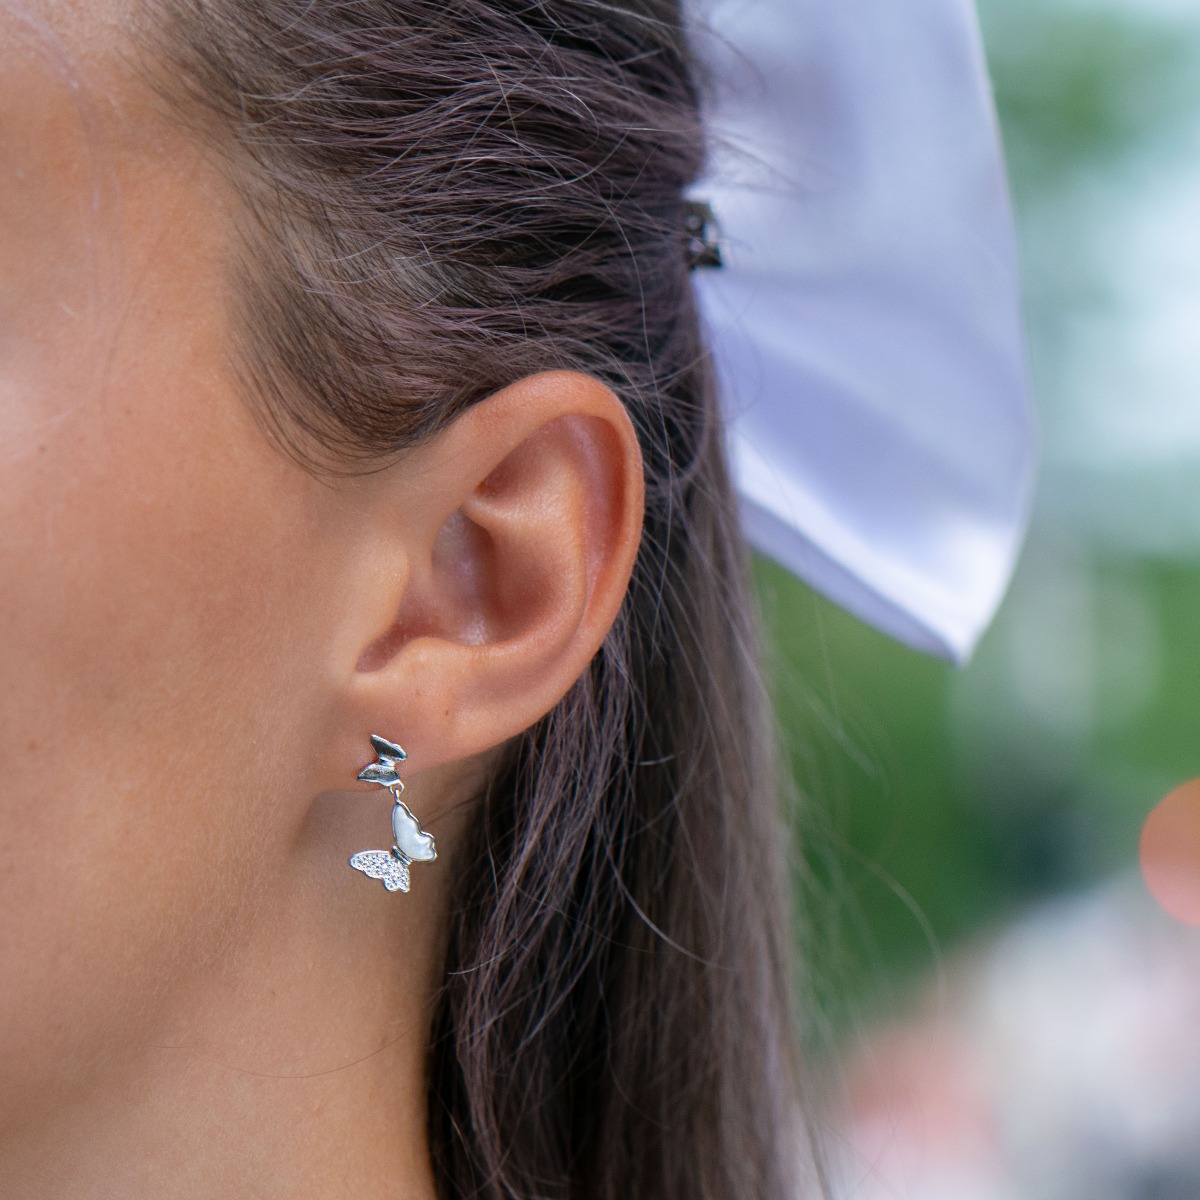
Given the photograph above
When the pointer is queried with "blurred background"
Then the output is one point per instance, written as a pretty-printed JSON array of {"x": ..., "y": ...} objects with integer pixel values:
[{"x": 977, "y": 940}]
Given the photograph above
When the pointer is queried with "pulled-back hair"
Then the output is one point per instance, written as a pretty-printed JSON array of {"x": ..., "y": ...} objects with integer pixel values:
[{"x": 444, "y": 196}]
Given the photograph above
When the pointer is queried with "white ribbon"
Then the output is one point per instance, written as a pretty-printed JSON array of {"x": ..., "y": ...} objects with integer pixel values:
[{"x": 865, "y": 326}]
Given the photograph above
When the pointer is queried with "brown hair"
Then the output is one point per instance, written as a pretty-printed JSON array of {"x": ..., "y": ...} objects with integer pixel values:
[{"x": 446, "y": 195}]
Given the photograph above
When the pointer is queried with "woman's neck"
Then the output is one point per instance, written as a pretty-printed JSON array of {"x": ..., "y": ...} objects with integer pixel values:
[{"x": 293, "y": 1067}]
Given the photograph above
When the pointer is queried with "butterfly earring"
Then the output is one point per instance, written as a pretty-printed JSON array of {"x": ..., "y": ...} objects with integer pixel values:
[{"x": 410, "y": 843}]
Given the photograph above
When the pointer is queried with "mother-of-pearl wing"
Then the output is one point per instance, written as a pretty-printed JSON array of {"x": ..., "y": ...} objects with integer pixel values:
[{"x": 411, "y": 840}]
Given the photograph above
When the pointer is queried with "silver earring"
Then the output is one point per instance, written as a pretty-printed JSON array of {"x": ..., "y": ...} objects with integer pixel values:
[{"x": 410, "y": 843}]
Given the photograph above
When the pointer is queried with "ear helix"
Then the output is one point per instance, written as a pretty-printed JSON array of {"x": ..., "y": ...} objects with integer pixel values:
[{"x": 410, "y": 843}]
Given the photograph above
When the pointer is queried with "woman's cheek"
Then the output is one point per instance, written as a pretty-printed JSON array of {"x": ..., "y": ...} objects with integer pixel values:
[{"x": 155, "y": 626}]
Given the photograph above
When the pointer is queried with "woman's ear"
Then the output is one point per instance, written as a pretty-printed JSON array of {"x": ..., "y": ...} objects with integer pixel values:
[{"x": 500, "y": 553}]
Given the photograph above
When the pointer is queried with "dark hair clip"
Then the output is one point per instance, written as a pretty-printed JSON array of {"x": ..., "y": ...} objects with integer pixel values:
[{"x": 703, "y": 235}]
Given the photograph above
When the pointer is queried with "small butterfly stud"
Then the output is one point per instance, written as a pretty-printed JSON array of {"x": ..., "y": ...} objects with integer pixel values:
[
  {"x": 410, "y": 843},
  {"x": 383, "y": 772}
]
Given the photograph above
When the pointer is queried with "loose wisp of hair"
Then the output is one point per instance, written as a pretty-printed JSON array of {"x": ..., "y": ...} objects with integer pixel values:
[{"x": 441, "y": 197}]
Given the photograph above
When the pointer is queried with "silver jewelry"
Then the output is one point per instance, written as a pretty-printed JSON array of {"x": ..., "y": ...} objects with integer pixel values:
[{"x": 410, "y": 843}]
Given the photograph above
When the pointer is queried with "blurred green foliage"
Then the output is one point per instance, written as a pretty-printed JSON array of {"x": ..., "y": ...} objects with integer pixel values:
[
  {"x": 935, "y": 802},
  {"x": 1078, "y": 87},
  {"x": 932, "y": 803}
]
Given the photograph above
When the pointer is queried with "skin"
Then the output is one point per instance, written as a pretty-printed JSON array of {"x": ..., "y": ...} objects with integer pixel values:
[{"x": 197, "y": 995}]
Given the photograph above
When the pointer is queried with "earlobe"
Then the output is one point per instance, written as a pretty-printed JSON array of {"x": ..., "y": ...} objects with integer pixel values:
[{"x": 519, "y": 525}]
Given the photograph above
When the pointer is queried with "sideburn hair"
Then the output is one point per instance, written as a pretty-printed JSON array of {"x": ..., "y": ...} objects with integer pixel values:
[{"x": 442, "y": 197}]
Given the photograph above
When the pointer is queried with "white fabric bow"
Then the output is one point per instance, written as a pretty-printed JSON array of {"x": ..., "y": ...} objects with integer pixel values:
[{"x": 865, "y": 326}]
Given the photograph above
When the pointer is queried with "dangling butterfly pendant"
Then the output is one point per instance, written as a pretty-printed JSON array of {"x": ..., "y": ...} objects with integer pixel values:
[{"x": 410, "y": 843}]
